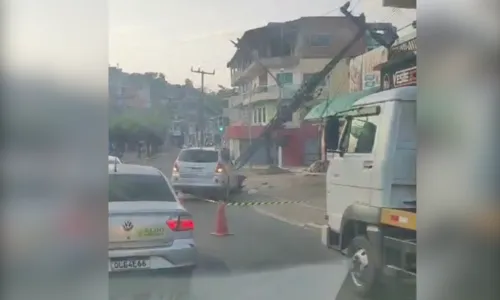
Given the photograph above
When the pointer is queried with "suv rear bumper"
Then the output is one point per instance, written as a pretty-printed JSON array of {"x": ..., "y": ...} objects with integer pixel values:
[{"x": 198, "y": 189}]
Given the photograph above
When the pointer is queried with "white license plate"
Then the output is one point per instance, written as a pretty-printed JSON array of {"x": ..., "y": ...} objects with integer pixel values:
[
  {"x": 189, "y": 175},
  {"x": 130, "y": 264}
]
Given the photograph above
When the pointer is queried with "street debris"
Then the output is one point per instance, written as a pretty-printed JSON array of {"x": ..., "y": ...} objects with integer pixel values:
[{"x": 319, "y": 166}]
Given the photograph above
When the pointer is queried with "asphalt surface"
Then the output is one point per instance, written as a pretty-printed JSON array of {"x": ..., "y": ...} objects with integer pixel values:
[{"x": 263, "y": 259}]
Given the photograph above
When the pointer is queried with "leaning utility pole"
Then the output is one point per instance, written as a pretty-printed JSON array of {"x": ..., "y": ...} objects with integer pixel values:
[
  {"x": 304, "y": 94},
  {"x": 201, "y": 107},
  {"x": 247, "y": 51}
]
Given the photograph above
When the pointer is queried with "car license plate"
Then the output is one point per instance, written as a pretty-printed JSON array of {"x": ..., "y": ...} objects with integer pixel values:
[
  {"x": 130, "y": 264},
  {"x": 184, "y": 175}
]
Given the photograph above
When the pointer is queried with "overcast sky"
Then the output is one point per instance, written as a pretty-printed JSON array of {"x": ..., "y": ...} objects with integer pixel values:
[{"x": 170, "y": 36}]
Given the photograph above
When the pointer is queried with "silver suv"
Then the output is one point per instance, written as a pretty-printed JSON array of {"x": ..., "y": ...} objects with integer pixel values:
[{"x": 205, "y": 172}]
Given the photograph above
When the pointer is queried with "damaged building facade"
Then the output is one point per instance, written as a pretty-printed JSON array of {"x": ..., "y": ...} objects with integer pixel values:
[{"x": 292, "y": 52}]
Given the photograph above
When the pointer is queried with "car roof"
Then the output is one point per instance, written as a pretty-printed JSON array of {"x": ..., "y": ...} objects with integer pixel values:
[{"x": 133, "y": 169}]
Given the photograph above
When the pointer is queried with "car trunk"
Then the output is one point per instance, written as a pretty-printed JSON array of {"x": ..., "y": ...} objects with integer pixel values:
[
  {"x": 143, "y": 224},
  {"x": 197, "y": 163},
  {"x": 196, "y": 170}
]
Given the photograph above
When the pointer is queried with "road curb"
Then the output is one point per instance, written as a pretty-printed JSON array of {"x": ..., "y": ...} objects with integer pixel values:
[{"x": 286, "y": 220}]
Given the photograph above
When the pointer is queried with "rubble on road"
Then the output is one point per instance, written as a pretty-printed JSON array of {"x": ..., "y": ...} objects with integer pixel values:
[
  {"x": 319, "y": 166},
  {"x": 272, "y": 170}
]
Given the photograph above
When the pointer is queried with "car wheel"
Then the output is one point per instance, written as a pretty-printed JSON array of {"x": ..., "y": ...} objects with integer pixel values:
[{"x": 363, "y": 271}]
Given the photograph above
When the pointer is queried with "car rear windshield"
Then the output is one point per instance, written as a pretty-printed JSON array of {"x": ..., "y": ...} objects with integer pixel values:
[
  {"x": 199, "y": 156},
  {"x": 129, "y": 187}
]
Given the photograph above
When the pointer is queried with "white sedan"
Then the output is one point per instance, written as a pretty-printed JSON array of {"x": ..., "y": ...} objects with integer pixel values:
[{"x": 113, "y": 159}]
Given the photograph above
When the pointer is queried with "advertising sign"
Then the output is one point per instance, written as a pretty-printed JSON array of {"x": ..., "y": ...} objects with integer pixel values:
[
  {"x": 355, "y": 74},
  {"x": 371, "y": 77},
  {"x": 405, "y": 77},
  {"x": 399, "y": 76}
]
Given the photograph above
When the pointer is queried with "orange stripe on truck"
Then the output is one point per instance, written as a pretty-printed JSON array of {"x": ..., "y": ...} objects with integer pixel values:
[{"x": 399, "y": 218}]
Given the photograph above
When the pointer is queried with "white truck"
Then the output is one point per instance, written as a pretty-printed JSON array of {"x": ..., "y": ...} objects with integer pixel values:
[{"x": 371, "y": 189}]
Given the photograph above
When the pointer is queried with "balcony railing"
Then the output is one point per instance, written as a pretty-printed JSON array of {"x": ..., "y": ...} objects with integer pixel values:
[
  {"x": 263, "y": 93},
  {"x": 255, "y": 69}
]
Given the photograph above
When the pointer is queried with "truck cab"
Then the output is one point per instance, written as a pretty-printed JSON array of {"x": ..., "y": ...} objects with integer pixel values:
[{"x": 371, "y": 184}]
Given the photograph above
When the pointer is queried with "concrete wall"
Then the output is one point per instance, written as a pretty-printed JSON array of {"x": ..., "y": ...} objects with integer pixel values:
[
  {"x": 234, "y": 148},
  {"x": 338, "y": 79}
]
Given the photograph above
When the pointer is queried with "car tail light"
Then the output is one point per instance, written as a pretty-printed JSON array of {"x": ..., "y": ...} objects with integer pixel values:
[
  {"x": 219, "y": 169},
  {"x": 176, "y": 168},
  {"x": 181, "y": 224}
]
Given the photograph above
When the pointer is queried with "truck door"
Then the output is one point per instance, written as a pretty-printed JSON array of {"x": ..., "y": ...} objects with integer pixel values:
[{"x": 349, "y": 175}]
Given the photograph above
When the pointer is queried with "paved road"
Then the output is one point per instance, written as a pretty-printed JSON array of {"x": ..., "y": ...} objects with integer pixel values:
[{"x": 264, "y": 259}]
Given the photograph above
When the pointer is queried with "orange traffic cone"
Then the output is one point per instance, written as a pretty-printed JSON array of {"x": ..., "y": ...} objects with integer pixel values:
[{"x": 221, "y": 222}]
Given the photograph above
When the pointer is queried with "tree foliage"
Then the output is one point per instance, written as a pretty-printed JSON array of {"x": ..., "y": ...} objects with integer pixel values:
[
  {"x": 133, "y": 124},
  {"x": 138, "y": 125}
]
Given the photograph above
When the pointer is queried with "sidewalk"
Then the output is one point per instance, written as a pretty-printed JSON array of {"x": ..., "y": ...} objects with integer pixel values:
[{"x": 291, "y": 187}]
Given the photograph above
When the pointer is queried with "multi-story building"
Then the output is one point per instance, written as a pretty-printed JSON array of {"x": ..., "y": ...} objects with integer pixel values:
[{"x": 292, "y": 52}]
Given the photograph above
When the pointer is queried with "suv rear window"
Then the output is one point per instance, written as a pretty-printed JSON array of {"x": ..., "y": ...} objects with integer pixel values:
[
  {"x": 199, "y": 156},
  {"x": 129, "y": 187}
]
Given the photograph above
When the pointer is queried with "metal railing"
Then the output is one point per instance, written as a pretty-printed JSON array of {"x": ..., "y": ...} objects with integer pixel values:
[{"x": 264, "y": 92}]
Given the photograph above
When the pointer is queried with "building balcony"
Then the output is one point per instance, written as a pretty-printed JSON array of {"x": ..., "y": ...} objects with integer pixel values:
[
  {"x": 411, "y": 4},
  {"x": 235, "y": 101},
  {"x": 237, "y": 115},
  {"x": 255, "y": 68},
  {"x": 264, "y": 93}
]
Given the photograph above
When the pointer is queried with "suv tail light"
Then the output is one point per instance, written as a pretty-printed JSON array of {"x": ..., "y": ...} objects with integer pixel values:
[
  {"x": 220, "y": 169},
  {"x": 175, "y": 168},
  {"x": 181, "y": 224}
]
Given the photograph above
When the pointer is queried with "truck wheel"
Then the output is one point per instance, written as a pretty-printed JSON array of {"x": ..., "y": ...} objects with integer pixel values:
[{"x": 363, "y": 269}]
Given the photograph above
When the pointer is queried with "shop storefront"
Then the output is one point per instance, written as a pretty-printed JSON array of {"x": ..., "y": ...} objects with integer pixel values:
[{"x": 401, "y": 67}]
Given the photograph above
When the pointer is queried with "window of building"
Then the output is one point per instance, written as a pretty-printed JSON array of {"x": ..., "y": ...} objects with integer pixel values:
[
  {"x": 320, "y": 40},
  {"x": 285, "y": 78},
  {"x": 308, "y": 76},
  {"x": 361, "y": 135},
  {"x": 259, "y": 115}
]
